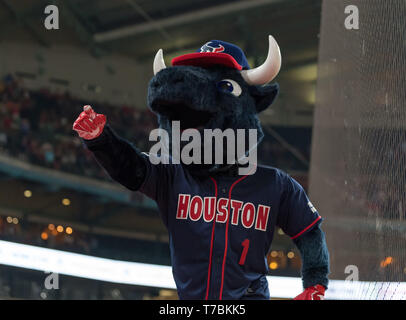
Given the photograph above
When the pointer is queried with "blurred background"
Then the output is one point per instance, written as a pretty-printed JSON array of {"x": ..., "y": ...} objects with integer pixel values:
[{"x": 55, "y": 196}]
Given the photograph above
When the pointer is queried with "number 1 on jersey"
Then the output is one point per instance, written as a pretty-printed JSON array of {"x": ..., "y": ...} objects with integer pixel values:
[{"x": 246, "y": 245}]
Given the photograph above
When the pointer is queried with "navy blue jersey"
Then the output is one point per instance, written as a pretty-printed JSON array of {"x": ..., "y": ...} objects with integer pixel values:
[{"x": 221, "y": 227}]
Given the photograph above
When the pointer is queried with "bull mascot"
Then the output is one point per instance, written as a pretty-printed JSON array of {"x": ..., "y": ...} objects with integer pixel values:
[{"x": 220, "y": 223}]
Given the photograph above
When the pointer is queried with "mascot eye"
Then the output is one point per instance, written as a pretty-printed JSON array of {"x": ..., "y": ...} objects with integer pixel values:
[{"x": 228, "y": 85}]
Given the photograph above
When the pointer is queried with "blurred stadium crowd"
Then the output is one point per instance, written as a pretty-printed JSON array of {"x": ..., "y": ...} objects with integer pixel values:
[{"x": 36, "y": 126}]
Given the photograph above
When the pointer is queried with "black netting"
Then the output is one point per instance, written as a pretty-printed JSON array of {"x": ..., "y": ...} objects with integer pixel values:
[{"x": 358, "y": 161}]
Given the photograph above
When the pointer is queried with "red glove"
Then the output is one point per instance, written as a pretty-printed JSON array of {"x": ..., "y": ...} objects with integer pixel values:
[
  {"x": 89, "y": 125},
  {"x": 312, "y": 293}
]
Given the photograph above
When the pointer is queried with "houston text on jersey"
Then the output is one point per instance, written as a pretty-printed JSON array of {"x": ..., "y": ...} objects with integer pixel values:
[{"x": 207, "y": 208}]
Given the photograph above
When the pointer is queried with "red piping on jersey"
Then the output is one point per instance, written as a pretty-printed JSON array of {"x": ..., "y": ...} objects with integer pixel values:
[
  {"x": 226, "y": 239},
  {"x": 307, "y": 228},
  {"x": 211, "y": 243}
]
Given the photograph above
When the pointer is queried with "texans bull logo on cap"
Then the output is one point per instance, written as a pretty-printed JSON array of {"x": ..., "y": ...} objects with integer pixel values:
[{"x": 208, "y": 48}]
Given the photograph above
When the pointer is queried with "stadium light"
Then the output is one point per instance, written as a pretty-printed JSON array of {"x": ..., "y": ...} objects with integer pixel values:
[{"x": 28, "y": 193}]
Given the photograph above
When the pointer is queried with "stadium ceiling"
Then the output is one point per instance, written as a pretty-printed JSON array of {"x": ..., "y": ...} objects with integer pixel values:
[{"x": 138, "y": 28}]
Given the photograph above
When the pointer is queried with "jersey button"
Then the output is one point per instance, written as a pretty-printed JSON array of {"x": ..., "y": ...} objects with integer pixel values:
[{"x": 223, "y": 190}]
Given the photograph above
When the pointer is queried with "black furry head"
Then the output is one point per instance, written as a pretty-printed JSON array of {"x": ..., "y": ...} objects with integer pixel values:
[{"x": 207, "y": 98}]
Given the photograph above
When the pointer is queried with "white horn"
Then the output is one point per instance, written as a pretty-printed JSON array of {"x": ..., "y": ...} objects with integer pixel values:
[
  {"x": 159, "y": 63},
  {"x": 268, "y": 70}
]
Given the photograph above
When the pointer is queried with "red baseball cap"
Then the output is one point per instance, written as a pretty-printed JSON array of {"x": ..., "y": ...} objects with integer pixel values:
[{"x": 214, "y": 52}]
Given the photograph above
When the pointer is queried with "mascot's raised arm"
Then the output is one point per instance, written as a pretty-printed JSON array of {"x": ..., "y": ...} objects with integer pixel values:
[{"x": 220, "y": 223}]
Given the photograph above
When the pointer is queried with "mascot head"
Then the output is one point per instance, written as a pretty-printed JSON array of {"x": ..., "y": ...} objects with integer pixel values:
[{"x": 213, "y": 88}]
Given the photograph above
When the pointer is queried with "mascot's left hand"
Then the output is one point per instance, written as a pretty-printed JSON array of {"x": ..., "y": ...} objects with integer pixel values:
[{"x": 312, "y": 293}]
